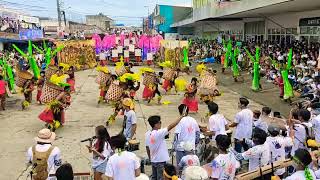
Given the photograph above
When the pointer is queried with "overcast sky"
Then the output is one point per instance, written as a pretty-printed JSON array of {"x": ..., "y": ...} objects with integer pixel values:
[{"x": 128, "y": 12}]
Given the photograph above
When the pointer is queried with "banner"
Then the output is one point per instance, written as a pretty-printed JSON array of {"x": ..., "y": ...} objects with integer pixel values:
[
  {"x": 172, "y": 44},
  {"x": 80, "y": 52},
  {"x": 30, "y": 34}
]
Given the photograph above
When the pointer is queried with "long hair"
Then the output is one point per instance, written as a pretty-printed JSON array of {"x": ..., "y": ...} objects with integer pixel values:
[{"x": 102, "y": 137}]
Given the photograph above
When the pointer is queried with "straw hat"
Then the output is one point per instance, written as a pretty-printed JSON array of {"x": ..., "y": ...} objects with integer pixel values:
[
  {"x": 128, "y": 102},
  {"x": 45, "y": 136}
]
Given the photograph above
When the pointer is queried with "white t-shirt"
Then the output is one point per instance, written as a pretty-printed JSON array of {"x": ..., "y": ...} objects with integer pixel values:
[
  {"x": 97, "y": 160},
  {"x": 217, "y": 124},
  {"x": 155, "y": 140},
  {"x": 130, "y": 120},
  {"x": 316, "y": 128},
  {"x": 299, "y": 137},
  {"x": 54, "y": 160},
  {"x": 186, "y": 130},
  {"x": 258, "y": 156},
  {"x": 277, "y": 147},
  {"x": 299, "y": 175},
  {"x": 224, "y": 166},
  {"x": 261, "y": 125},
  {"x": 102, "y": 56},
  {"x": 122, "y": 166},
  {"x": 244, "y": 127},
  {"x": 189, "y": 160}
]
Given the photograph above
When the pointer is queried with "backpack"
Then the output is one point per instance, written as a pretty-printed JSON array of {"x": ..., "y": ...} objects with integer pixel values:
[
  {"x": 310, "y": 139},
  {"x": 40, "y": 163}
]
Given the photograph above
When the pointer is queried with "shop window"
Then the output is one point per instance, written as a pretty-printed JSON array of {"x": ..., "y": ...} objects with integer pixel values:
[
  {"x": 303, "y": 30},
  {"x": 309, "y": 30},
  {"x": 314, "y": 38},
  {"x": 315, "y": 30},
  {"x": 289, "y": 30},
  {"x": 294, "y": 31}
]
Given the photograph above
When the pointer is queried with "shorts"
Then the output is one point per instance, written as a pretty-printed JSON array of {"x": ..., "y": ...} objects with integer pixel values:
[{"x": 101, "y": 168}]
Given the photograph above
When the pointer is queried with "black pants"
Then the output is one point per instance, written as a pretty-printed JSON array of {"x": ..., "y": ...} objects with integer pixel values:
[{"x": 156, "y": 92}]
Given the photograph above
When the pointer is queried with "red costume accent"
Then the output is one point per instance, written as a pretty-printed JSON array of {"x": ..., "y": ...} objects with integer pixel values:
[
  {"x": 148, "y": 93},
  {"x": 72, "y": 83},
  {"x": 115, "y": 59},
  {"x": 192, "y": 104},
  {"x": 166, "y": 85}
]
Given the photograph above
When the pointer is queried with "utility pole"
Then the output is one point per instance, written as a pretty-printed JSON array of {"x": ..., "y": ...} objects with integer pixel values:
[
  {"x": 64, "y": 18},
  {"x": 59, "y": 12}
]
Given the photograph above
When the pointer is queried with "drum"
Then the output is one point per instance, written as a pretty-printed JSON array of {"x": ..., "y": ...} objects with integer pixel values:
[
  {"x": 133, "y": 145},
  {"x": 149, "y": 78},
  {"x": 22, "y": 77},
  {"x": 50, "y": 92},
  {"x": 195, "y": 173},
  {"x": 114, "y": 92},
  {"x": 142, "y": 177},
  {"x": 102, "y": 78},
  {"x": 168, "y": 74},
  {"x": 51, "y": 70}
]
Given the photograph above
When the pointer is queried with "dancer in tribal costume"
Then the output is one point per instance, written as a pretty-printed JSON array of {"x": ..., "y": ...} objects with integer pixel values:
[
  {"x": 128, "y": 89},
  {"x": 208, "y": 87},
  {"x": 168, "y": 84},
  {"x": 40, "y": 84},
  {"x": 190, "y": 96},
  {"x": 27, "y": 90},
  {"x": 151, "y": 90},
  {"x": 71, "y": 80},
  {"x": 54, "y": 114}
]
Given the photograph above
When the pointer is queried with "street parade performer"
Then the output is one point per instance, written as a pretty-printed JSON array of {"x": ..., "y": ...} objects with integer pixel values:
[
  {"x": 170, "y": 74},
  {"x": 208, "y": 86},
  {"x": 71, "y": 80},
  {"x": 40, "y": 84},
  {"x": 190, "y": 99},
  {"x": 150, "y": 82},
  {"x": 119, "y": 90},
  {"x": 25, "y": 80},
  {"x": 56, "y": 94},
  {"x": 104, "y": 79}
]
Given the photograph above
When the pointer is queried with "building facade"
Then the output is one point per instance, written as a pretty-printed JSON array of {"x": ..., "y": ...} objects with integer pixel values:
[
  {"x": 164, "y": 16},
  {"x": 281, "y": 21},
  {"x": 100, "y": 20}
]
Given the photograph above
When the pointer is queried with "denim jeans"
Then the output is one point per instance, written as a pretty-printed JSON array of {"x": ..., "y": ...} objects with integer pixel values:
[
  {"x": 179, "y": 155},
  {"x": 157, "y": 170},
  {"x": 238, "y": 145}
]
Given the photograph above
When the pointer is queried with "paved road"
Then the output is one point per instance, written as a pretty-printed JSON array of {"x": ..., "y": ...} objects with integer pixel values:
[
  {"x": 269, "y": 96},
  {"x": 20, "y": 127}
]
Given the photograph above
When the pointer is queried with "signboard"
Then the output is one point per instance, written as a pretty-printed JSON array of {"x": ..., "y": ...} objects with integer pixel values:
[
  {"x": 29, "y": 19},
  {"x": 310, "y": 21},
  {"x": 126, "y": 42},
  {"x": 29, "y": 34}
]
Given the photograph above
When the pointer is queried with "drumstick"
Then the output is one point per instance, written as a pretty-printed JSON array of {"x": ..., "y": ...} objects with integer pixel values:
[{"x": 143, "y": 116}]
